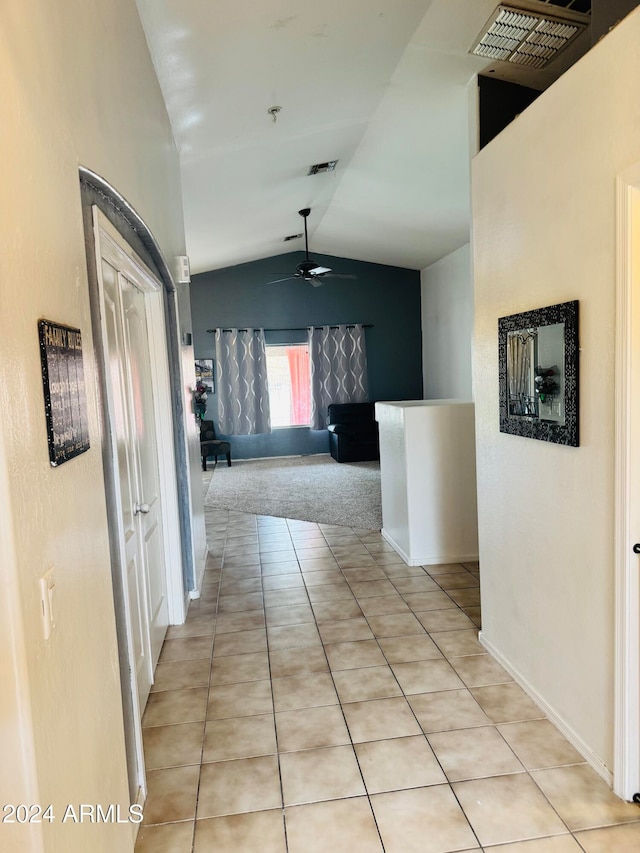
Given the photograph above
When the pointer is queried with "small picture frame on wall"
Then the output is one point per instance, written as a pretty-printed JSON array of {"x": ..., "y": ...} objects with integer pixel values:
[
  {"x": 65, "y": 397},
  {"x": 204, "y": 374},
  {"x": 538, "y": 374}
]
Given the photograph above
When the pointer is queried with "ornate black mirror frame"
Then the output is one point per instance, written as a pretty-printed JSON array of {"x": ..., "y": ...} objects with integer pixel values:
[{"x": 531, "y": 427}]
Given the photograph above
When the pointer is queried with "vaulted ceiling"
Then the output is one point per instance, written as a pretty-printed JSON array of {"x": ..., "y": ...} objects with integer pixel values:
[{"x": 382, "y": 86}]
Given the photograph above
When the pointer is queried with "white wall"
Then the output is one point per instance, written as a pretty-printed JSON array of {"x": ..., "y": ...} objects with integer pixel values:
[
  {"x": 543, "y": 233},
  {"x": 447, "y": 327},
  {"x": 427, "y": 469},
  {"x": 78, "y": 87},
  {"x": 18, "y": 778}
]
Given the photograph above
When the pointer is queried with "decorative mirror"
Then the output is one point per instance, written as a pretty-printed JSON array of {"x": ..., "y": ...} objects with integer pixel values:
[{"x": 538, "y": 373}]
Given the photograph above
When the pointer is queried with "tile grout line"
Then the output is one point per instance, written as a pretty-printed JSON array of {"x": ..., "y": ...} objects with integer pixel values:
[
  {"x": 525, "y": 771},
  {"x": 355, "y": 754},
  {"x": 273, "y": 705},
  {"x": 381, "y": 567},
  {"x": 403, "y": 694},
  {"x": 448, "y": 783},
  {"x": 206, "y": 710},
  {"x": 202, "y": 762},
  {"x": 339, "y": 701}
]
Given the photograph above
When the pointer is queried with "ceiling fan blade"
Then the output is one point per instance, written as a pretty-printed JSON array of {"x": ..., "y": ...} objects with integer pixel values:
[
  {"x": 279, "y": 280},
  {"x": 314, "y": 281},
  {"x": 320, "y": 270},
  {"x": 338, "y": 275}
]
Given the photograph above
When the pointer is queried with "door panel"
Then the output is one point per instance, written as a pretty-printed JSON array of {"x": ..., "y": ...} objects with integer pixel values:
[
  {"x": 154, "y": 557},
  {"x": 134, "y": 435},
  {"x": 123, "y": 435},
  {"x": 135, "y": 324},
  {"x": 145, "y": 445},
  {"x": 142, "y": 495},
  {"x": 138, "y": 628},
  {"x": 118, "y": 395}
]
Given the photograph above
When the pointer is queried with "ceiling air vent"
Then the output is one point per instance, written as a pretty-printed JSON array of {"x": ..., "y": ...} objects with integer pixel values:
[
  {"x": 527, "y": 37},
  {"x": 292, "y": 237},
  {"x": 318, "y": 168}
]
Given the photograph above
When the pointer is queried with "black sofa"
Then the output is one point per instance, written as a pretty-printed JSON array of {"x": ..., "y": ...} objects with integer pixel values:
[{"x": 353, "y": 432}]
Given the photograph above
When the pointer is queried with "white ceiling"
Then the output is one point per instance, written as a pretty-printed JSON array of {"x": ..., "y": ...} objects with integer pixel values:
[{"x": 380, "y": 85}]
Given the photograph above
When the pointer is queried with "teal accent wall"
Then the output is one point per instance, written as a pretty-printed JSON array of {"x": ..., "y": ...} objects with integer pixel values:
[{"x": 386, "y": 297}]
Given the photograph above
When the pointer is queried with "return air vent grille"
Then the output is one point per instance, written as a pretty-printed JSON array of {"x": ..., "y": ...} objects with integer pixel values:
[
  {"x": 526, "y": 38},
  {"x": 320, "y": 168}
]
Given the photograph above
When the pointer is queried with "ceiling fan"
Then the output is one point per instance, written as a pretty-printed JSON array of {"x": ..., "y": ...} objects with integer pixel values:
[{"x": 309, "y": 270}]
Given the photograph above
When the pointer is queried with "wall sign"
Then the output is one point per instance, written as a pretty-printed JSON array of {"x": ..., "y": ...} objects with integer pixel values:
[
  {"x": 204, "y": 373},
  {"x": 65, "y": 398}
]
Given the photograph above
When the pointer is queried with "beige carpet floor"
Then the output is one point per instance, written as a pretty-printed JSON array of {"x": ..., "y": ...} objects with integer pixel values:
[{"x": 309, "y": 488}]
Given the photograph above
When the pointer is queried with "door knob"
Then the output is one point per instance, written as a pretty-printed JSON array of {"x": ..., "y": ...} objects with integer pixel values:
[
  {"x": 143, "y": 508},
  {"x": 636, "y": 548}
]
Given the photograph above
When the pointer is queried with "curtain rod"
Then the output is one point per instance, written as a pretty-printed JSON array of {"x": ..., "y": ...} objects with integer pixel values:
[{"x": 303, "y": 328}]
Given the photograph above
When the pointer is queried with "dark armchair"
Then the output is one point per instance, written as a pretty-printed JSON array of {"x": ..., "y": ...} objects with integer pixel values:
[
  {"x": 212, "y": 446},
  {"x": 353, "y": 432}
]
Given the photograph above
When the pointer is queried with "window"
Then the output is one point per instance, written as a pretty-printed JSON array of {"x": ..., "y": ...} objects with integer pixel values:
[{"x": 289, "y": 385}]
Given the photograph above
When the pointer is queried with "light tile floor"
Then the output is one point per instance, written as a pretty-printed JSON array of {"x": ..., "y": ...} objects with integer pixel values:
[{"x": 324, "y": 697}]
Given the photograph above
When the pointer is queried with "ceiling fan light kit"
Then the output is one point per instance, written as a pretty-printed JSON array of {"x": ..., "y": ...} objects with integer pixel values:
[{"x": 309, "y": 270}]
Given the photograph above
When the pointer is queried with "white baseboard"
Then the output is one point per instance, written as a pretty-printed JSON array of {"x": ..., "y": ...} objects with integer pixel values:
[
  {"x": 200, "y": 568},
  {"x": 395, "y": 546},
  {"x": 287, "y": 456},
  {"x": 567, "y": 730},
  {"x": 438, "y": 560}
]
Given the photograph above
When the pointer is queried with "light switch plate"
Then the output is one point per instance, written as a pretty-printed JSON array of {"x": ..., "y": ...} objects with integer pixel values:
[
  {"x": 182, "y": 272},
  {"x": 47, "y": 586}
]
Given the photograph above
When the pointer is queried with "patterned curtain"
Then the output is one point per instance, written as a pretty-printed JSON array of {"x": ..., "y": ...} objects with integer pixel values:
[
  {"x": 519, "y": 373},
  {"x": 338, "y": 369},
  {"x": 241, "y": 374}
]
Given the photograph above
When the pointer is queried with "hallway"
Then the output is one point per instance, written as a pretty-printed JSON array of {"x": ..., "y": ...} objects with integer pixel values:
[{"x": 322, "y": 680}]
